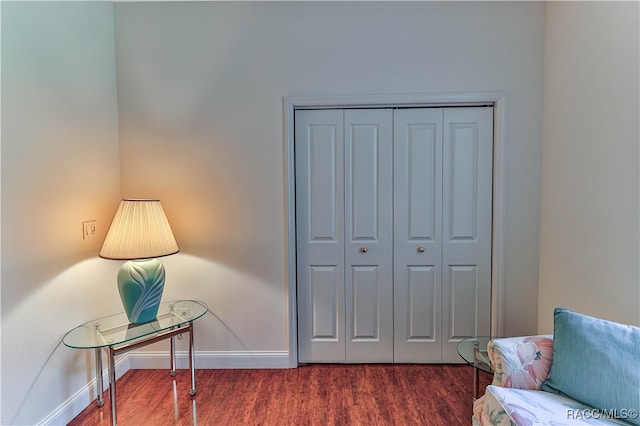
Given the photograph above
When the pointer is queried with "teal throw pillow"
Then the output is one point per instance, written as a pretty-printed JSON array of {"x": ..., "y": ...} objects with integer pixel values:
[{"x": 596, "y": 362}]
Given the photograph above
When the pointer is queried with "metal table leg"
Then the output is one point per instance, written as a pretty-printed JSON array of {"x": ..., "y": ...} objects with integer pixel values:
[
  {"x": 192, "y": 362},
  {"x": 173, "y": 355},
  {"x": 112, "y": 385},
  {"x": 99, "y": 384},
  {"x": 476, "y": 370}
]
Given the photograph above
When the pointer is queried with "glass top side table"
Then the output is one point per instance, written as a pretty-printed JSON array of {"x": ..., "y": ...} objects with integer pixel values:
[
  {"x": 474, "y": 351},
  {"x": 116, "y": 335}
]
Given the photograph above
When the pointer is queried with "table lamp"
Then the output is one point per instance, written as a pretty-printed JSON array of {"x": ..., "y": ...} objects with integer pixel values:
[{"x": 140, "y": 233}]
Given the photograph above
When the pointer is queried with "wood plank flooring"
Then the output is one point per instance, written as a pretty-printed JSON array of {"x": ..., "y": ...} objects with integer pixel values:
[{"x": 320, "y": 394}]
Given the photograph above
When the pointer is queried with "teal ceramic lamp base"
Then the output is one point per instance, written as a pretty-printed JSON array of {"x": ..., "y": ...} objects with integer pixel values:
[{"x": 141, "y": 283}]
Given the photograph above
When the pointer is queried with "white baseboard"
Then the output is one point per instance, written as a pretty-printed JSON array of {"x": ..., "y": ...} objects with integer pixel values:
[{"x": 159, "y": 360}]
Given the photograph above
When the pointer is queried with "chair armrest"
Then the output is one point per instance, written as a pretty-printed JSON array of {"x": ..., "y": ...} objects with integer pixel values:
[
  {"x": 521, "y": 362},
  {"x": 517, "y": 362}
]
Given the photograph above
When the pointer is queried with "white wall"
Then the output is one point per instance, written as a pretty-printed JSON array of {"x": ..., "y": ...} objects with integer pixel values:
[
  {"x": 589, "y": 235},
  {"x": 200, "y": 91},
  {"x": 60, "y": 166}
]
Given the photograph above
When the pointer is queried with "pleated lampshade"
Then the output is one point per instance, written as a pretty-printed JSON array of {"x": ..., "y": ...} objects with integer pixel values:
[{"x": 139, "y": 230}]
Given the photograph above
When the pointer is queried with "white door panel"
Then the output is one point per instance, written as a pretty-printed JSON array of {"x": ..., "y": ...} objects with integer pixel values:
[
  {"x": 417, "y": 235},
  {"x": 368, "y": 231},
  {"x": 324, "y": 281},
  {"x": 467, "y": 186},
  {"x": 365, "y": 319},
  {"x": 320, "y": 235},
  {"x": 422, "y": 308}
]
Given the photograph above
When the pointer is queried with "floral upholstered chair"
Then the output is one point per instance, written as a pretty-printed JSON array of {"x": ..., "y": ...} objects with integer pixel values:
[{"x": 518, "y": 362}]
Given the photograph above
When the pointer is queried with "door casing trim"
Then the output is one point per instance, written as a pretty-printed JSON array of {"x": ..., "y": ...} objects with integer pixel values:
[{"x": 497, "y": 98}]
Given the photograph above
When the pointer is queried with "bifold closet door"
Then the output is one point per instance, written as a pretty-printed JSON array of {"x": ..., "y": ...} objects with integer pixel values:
[
  {"x": 369, "y": 235},
  {"x": 344, "y": 235},
  {"x": 442, "y": 230},
  {"x": 393, "y": 216},
  {"x": 319, "y": 151},
  {"x": 418, "y": 235},
  {"x": 467, "y": 183}
]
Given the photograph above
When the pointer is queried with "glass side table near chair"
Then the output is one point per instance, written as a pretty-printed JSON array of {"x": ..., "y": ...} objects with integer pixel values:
[
  {"x": 116, "y": 335},
  {"x": 474, "y": 351}
]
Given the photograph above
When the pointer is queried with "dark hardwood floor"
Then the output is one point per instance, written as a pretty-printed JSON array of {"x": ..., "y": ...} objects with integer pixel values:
[{"x": 363, "y": 394}]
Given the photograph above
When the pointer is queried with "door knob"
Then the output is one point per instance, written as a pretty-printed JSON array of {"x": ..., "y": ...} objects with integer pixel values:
[
  {"x": 363, "y": 250},
  {"x": 420, "y": 249}
]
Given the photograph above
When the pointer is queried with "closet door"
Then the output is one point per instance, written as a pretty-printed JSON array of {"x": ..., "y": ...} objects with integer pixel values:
[
  {"x": 418, "y": 235},
  {"x": 344, "y": 235},
  {"x": 466, "y": 223},
  {"x": 368, "y": 235},
  {"x": 319, "y": 155},
  {"x": 442, "y": 230},
  {"x": 393, "y": 216}
]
